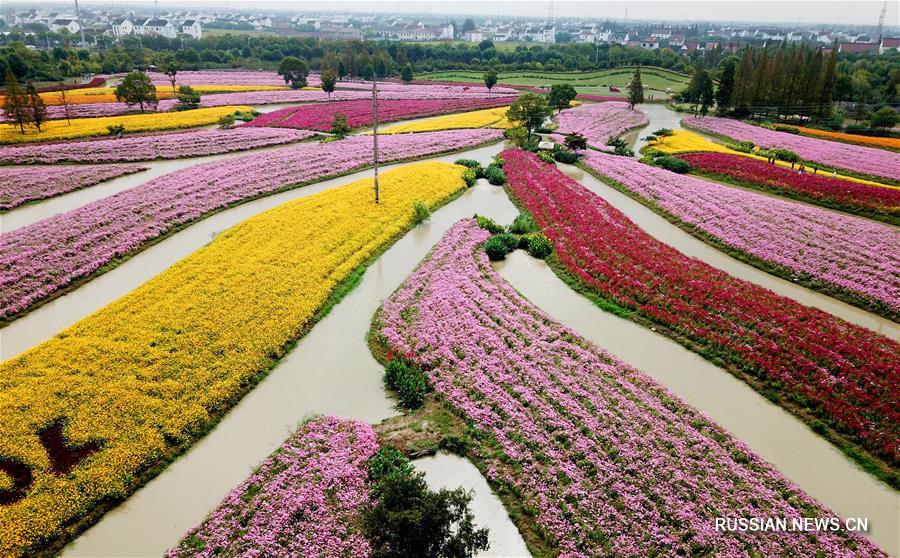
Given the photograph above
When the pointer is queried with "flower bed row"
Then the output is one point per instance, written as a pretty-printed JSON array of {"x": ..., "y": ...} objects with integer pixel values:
[
  {"x": 870, "y": 141},
  {"x": 149, "y": 147},
  {"x": 151, "y": 372},
  {"x": 307, "y": 499},
  {"x": 876, "y": 202},
  {"x": 599, "y": 122},
  {"x": 39, "y": 260},
  {"x": 849, "y": 257},
  {"x": 218, "y": 77},
  {"x": 56, "y": 130},
  {"x": 864, "y": 160},
  {"x": 107, "y": 94},
  {"x": 833, "y": 374},
  {"x": 685, "y": 141},
  {"x": 22, "y": 185},
  {"x": 601, "y": 459},
  {"x": 359, "y": 113},
  {"x": 486, "y": 118}
]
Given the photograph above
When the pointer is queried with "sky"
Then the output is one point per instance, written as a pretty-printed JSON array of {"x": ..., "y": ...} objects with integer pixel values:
[{"x": 863, "y": 12}]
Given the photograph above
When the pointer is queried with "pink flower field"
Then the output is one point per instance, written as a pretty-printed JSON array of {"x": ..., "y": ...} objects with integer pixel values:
[
  {"x": 605, "y": 461},
  {"x": 359, "y": 113},
  {"x": 598, "y": 122},
  {"x": 305, "y": 500},
  {"x": 38, "y": 260},
  {"x": 864, "y": 160},
  {"x": 175, "y": 145},
  {"x": 836, "y": 253},
  {"x": 22, "y": 185}
]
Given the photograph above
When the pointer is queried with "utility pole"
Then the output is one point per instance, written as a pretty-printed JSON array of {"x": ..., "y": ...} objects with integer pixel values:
[
  {"x": 80, "y": 25},
  {"x": 375, "y": 131}
]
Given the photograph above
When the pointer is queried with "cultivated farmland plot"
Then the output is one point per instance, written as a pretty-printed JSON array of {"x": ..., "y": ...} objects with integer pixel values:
[{"x": 227, "y": 334}]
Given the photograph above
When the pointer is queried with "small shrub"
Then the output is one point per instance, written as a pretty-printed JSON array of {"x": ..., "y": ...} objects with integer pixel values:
[
  {"x": 116, "y": 130},
  {"x": 788, "y": 129},
  {"x": 495, "y": 175},
  {"x": 488, "y": 224},
  {"x": 339, "y": 126},
  {"x": 421, "y": 213},
  {"x": 545, "y": 156},
  {"x": 472, "y": 165},
  {"x": 409, "y": 381},
  {"x": 388, "y": 460},
  {"x": 565, "y": 156},
  {"x": 226, "y": 122},
  {"x": 539, "y": 246},
  {"x": 674, "y": 164},
  {"x": 523, "y": 224},
  {"x": 470, "y": 177},
  {"x": 499, "y": 245}
]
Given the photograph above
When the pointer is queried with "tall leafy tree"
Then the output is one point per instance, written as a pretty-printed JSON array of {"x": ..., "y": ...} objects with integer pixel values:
[
  {"x": 726, "y": 85},
  {"x": 529, "y": 110},
  {"x": 406, "y": 74},
  {"x": 490, "y": 80},
  {"x": 635, "y": 89},
  {"x": 294, "y": 71},
  {"x": 826, "y": 91},
  {"x": 36, "y": 106},
  {"x": 15, "y": 102},
  {"x": 171, "y": 69},
  {"x": 561, "y": 94},
  {"x": 136, "y": 89},
  {"x": 329, "y": 80}
]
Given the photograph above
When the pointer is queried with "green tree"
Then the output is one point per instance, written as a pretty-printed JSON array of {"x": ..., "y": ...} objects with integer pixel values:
[
  {"x": 294, "y": 71},
  {"x": 885, "y": 117},
  {"x": 490, "y": 80},
  {"x": 329, "y": 80},
  {"x": 529, "y": 110},
  {"x": 369, "y": 72},
  {"x": 706, "y": 97},
  {"x": 171, "y": 68},
  {"x": 339, "y": 126},
  {"x": 342, "y": 69},
  {"x": 36, "y": 106},
  {"x": 576, "y": 141},
  {"x": 726, "y": 85},
  {"x": 226, "y": 122},
  {"x": 64, "y": 101},
  {"x": 15, "y": 102},
  {"x": 406, "y": 74},
  {"x": 468, "y": 25},
  {"x": 827, "y": 89},
  {"x": 136, "y": 89},
  {"x": 561, "y": 94},
  {"x": 188, "y": 98},
  {"x": 635, "y": 89}
]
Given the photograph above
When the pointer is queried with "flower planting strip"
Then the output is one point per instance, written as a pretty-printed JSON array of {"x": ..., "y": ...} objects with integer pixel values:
[
  {"x": 7, "y": 250},
  {"x": 878, "y": 349},
  {"x": 881, "y": 295}
]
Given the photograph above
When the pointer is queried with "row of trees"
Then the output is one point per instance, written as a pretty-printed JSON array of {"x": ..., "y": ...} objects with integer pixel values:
[{"x": 23, "y": 107}]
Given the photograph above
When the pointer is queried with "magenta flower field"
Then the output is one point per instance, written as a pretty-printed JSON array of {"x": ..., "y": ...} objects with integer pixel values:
[
  {"x": 608, "y": 462},
  {"x": 38, "y": 260},
  {"x": 175, "y": 145},
  {"x": 359, "y": 113},
  {"x": 598, "y": 122},
  {"x": 22, "y": 185},
  {"x": 305, "y": 500},
  {"x": 864, "y": 160},
  {"x": 836, "y": 253}
]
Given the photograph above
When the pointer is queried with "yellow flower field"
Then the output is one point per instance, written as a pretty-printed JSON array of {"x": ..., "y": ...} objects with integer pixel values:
[
  {"x": 89, "y": 127},
  {"x": 685, "y": 141},
  {"x": 107, "y": 94},
  {"x": 150, "y": 370},
  {"x": 486, "y": 118}
]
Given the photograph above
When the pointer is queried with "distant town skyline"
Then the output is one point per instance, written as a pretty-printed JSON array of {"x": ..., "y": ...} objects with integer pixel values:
[{"x": 761, "y": 11}]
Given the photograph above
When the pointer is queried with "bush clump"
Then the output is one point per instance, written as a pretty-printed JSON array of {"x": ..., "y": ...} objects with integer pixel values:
[
  {"x": 488, "y": 224},
  {"x": 565, "y": 156},
  {"x": 421, "y": 213},
  {"x": 674, "y": 164},
  {"x": 523, "y": 224},
  {"x": 788, "y": 129},
  {"x": 408, "y": 380},
  {"x": 538, "y": 245},
  {"x": 545, "y": 156},
  {"x": 499, "y": 245},
  {"x": 495, "y": 175},
  {"x": 469, "y": 176}
]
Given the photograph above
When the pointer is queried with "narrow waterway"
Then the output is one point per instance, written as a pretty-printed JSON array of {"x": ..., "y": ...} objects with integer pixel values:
[
  {"x": 34, "y": 212},
  {"x": 666, "y": 232},
  {"x": 44, "y": 322},
  {"x": 330, "y": 371},
  {"x": 446, "y": 470},
  {"x": 801, "y": 455}
]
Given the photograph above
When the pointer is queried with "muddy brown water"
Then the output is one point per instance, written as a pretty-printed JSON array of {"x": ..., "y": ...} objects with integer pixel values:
[
  {"x": 796, "y": 451},
  {"x": 446, "y": 470},
  {"x": 330, "y": 371},
  {"x": 44, "y": 322}
]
